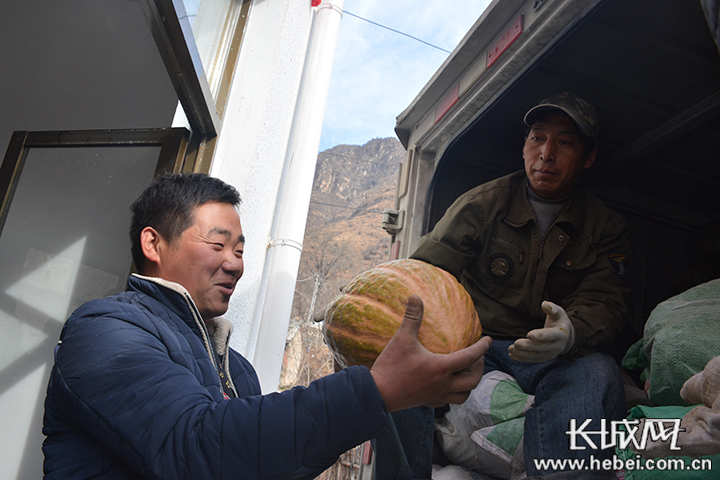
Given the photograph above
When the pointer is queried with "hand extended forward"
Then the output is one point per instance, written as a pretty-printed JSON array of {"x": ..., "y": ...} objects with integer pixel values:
[
  {"x": 408, "y": 375},
  {"x": 544, "y": 344}
]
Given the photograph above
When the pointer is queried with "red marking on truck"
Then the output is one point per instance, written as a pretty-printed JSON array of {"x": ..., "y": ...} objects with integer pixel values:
[
  {"x": 395, "y": 250},
  {"x": 367, "y": 453},
  {"x": 447, "y": 102},
  {"x": 507, "y": 39}
]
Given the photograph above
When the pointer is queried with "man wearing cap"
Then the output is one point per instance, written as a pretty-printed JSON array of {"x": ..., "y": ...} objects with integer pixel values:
[{"x": 544, "y": 261}]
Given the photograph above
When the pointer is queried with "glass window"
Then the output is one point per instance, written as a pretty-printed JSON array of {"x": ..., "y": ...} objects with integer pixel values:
[{"x": 64, "y": 241}]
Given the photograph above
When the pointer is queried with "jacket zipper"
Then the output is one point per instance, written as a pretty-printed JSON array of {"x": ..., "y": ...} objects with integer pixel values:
[{"x": 209, "y": 348}]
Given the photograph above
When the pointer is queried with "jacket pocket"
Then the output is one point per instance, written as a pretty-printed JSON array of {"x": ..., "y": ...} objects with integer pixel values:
[
  {"x": 503, "y": 267},
  {"x": 569, "y": 269}
]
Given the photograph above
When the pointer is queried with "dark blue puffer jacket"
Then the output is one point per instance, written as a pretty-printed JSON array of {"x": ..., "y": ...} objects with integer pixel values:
[{"x": 135, "y": 391}]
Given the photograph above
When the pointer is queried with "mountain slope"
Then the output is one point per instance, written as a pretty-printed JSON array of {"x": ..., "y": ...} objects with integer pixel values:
[{"x": 343, "y": 237}]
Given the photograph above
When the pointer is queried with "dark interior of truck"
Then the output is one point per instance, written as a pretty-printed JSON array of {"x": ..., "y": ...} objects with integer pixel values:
[{"x": 652, "y": 70}]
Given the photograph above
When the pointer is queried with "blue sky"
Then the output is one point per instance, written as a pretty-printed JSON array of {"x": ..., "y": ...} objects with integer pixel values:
[{"x": 377, "y": 73}]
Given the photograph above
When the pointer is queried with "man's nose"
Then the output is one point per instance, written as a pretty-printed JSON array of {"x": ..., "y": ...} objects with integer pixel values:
[
  {"x": 548, "y": 151},
  {"x": 233, "y": 265}
]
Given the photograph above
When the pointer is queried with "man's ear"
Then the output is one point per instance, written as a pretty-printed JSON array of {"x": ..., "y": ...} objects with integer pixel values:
[
  {"x": 150, "y": 243},
  {"x": 590, "y": 158}
]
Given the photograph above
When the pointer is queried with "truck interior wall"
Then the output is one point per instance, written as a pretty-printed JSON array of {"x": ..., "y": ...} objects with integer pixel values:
[
  {"x": 652, "y": 70},
  {"x": 662, "y": 252}
]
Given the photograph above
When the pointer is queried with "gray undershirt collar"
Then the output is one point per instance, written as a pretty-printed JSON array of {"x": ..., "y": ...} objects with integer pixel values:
[{"x": 546, "y": 210}]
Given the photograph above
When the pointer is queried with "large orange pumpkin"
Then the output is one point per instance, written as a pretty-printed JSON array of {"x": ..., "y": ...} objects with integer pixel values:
[{"x": 361, "y": 321}]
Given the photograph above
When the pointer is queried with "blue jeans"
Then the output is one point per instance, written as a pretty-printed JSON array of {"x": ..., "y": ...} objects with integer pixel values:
[
  {"x": 403, "y": 450},
  {"x": 586, "y": 387}
]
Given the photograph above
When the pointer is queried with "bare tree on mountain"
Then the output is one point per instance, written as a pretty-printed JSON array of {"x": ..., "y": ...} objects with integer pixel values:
[{"x": 322, "y": 254}]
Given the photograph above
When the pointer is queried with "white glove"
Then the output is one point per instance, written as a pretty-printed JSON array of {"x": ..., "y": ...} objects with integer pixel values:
[{"x": 544, "y": 344}]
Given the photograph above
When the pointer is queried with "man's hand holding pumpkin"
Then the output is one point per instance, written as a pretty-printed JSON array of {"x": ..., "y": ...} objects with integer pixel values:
[{"x": 408, "y": 375}]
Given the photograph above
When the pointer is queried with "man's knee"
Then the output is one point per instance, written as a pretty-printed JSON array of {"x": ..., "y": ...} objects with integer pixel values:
[
  {"x": 596, "y": 376},
  {"x": 602, "y": 371}
]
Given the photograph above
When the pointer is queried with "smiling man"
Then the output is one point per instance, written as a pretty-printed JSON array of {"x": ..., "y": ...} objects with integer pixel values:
[
  {"x": 544, "y": 261},
  {"x": 145, "y": 385},
  {"x": 207, "y": 258}
]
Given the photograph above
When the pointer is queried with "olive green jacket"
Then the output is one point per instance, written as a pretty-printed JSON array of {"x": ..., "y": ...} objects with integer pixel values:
[{"x": 489, "y": 240}]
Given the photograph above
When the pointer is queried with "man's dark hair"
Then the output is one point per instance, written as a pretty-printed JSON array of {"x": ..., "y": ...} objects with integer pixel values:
[{"x": 168, "y": 204}]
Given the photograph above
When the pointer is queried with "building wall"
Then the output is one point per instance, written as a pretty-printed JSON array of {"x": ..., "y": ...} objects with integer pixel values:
[
  {"x": 250, "y": 152},
  {"x": 83, "y": 64}
]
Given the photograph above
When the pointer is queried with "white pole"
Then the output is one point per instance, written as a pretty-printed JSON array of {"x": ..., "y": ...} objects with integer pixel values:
[{"x": 300, "y": 160}]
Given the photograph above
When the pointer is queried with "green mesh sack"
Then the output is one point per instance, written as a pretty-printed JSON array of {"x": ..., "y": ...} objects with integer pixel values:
[
  {"x": 675, "y": 468},
  {"x": 485, "y": 433},
  {"x": 681, "y": 335}
]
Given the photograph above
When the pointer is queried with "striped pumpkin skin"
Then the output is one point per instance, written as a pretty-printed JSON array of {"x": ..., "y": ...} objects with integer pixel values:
[{"x": 361, "y": 321}]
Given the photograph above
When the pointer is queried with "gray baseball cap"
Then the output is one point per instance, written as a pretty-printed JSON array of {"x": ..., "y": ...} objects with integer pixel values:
[{"x": 579, "y": 110}]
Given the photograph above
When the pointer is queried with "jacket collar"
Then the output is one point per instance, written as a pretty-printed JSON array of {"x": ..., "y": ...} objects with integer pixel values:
[
  {"x": 176, "y": 297},
  {"x": 571, "y": 218}
]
